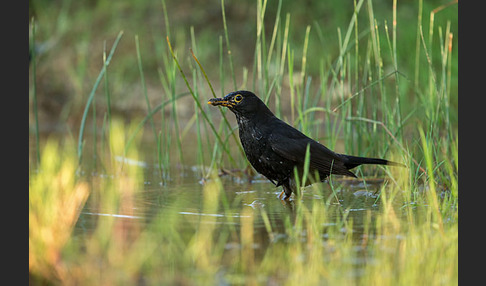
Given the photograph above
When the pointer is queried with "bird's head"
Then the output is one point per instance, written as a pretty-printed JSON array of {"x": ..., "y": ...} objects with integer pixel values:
[{"x": 241, "y": 102}]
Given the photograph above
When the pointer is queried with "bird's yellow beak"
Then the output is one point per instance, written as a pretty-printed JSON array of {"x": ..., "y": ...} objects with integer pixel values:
[{"x": 221, "y": 101}]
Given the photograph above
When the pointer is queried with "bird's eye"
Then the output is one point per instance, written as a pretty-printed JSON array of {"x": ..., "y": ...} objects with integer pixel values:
[{"x": 238, "y": 98}]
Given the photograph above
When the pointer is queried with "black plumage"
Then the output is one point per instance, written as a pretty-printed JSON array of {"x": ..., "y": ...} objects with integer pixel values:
[{"x": 274, "y": 148}]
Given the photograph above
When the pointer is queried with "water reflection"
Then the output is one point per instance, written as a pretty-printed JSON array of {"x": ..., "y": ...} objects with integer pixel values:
[
  {"x": 183, "y": 196},
  {"x": 230, "y": 219}
]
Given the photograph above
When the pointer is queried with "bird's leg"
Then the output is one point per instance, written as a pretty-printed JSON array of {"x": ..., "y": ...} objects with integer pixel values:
[
  {"x": 287, "y": 190},
  {"x": 281, "y": 195}
]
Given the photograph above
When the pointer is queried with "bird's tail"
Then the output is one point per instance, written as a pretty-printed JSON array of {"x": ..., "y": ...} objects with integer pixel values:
[{"x": 353, "y": 161}]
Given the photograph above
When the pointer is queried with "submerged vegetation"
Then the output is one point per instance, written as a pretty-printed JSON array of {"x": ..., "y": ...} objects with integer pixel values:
[{"x": 137, "y": 125}]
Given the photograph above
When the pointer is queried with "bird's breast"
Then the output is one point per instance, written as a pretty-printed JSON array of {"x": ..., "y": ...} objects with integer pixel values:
[{"x": 252, "y": 139}]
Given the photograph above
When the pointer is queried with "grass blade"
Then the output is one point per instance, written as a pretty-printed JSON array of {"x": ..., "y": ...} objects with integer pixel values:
[
  {"x": 199, "y": 104},
  {"x": 144, "y": 87},
  {"x": 92, "y": 94},
  {"x": 228, "y": 46},
  {"x": 221, "y": 110}
]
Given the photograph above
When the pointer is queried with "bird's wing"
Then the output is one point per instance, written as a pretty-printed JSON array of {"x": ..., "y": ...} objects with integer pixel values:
[{"x": 291, "y": 144}]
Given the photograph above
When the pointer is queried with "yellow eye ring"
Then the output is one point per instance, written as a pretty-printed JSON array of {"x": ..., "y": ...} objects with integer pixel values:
[{"x": 238, "y": 98}]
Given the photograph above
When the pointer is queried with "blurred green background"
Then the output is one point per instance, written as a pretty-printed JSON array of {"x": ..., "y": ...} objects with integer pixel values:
[
  {"x": 71, "y": 36},
  {"x": 357, "y": 101}
]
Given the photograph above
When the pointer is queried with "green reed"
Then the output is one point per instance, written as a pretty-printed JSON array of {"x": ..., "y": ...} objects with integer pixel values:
[
  {"x": 230, "y": 56},
  {"x": 398, "y": 245},
  {"x": 366, "y": 76},
  {"x": 362, "y": 101},
  {"x": 92, "y": 95},
  {"x": 144, "y": 87}
]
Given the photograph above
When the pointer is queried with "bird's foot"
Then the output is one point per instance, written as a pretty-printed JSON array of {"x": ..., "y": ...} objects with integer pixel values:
[{"x": 283, "y": 197}]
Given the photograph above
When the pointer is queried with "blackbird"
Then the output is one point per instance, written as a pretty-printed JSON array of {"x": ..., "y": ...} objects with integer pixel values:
[{"x": 275, "y": 148}]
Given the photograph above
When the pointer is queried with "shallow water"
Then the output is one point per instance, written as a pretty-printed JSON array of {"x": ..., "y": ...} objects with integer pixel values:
[
  {"x": 352, "y": 196},
  {"x": 152, "y": 229},
  {"x": 182, "y": 199}
]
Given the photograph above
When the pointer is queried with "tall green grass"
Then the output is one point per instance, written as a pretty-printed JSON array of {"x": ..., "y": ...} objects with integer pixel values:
[
  {"x": 313, "y": 244},
  {"x": 56, "y": 198},
  {"x": 92, "y": 95},
  {"x": 356, "y": 101},
  {"x": 363, "y": 100}
]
